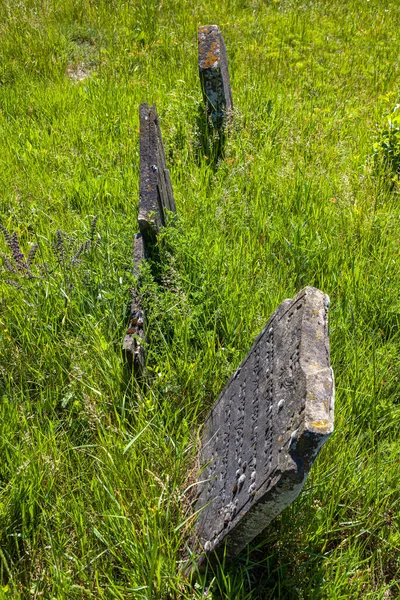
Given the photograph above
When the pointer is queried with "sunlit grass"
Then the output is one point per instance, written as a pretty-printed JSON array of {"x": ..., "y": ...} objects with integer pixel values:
[{"x": 95, "y": 471}]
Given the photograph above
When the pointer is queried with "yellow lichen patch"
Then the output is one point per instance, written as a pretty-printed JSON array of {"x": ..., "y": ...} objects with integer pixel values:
[
  {"x": 322, "y": 423},
  {"x": 211, "y": 56}
]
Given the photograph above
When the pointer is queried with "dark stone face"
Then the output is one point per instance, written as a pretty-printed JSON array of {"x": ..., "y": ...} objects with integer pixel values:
[
  {"x": 266, "y": 428},
  {"x": 133, "y": 341},
  {"x": 155, "y": 199},
  {"x": 214, "y": 74},
  {"x": 155, "y": 195}
]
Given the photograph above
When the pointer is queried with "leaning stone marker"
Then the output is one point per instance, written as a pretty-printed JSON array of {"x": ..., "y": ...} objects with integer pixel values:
[
  {"x": 214, "y": 74},
  {"x": 266, "y": 428},
  {"x": 155, "y": 198},
  {"x": 155, "y": 195}
]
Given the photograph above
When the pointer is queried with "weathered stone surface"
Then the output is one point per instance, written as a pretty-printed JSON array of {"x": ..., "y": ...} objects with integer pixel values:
[
  {"x": 266, "y": 428},
  {"x": 155, "y": 199},
  {"x": 214, "y": 74},
  {"x": 133, "y": 341},
  {"x": 139, "y": 253},
  {"x": 155, "y": 196}
]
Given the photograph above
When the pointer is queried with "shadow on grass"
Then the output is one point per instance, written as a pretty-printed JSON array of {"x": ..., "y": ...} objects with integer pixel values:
[
  {"x": 275, "y": 566},
  {"x": 211, "y": 145}
]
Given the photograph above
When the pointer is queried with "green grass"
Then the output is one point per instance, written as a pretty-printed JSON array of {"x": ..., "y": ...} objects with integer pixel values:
[{"x": 95, "y": 472}]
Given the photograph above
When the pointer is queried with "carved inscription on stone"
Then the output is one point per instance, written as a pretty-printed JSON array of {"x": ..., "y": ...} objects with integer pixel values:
[
  {"x": 155, "y": 196},
  {"x": 266, "y": 428},
  {"x": 214, "y": 74}
]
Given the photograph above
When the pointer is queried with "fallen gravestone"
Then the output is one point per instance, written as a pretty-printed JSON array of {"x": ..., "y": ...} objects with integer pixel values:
[
  {"x": 214, "y": 75},
  {"x": 155, "y": 195},
  {"x": 266, "y": 429}
]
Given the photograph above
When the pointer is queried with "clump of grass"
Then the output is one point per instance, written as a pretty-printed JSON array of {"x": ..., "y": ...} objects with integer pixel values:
[
  {"x": 59, "y": 271},
  {"x": 94, "y": 470},
  {"x": 387, "y": 148}
]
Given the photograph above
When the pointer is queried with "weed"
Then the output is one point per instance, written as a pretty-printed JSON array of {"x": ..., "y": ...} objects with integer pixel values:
[{"x": 388, "y": 146}]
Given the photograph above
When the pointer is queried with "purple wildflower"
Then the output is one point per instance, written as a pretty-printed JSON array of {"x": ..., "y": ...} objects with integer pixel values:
[
  {"x": 13, "y": 283},
  {"x": 59, "y": 249},
  {"x": 6, "y": 234},
  {"x": 8, "y": 265}
]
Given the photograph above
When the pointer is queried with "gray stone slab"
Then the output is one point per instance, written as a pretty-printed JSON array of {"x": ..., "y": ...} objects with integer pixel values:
[
  {"x": 133, "y": 344},
  {"x": 155, "y": 200},
  {"x": 155, "y": 195},
  {"x": 266, "y": 428},
  {"x": 214, "y": 75}
]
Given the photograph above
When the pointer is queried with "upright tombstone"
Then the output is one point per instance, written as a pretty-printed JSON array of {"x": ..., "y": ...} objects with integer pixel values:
[
  {"x": 214, "y": 75},
  {"x": 266, "y": 429},
  {"x": 155, "y": 195},
  {"x": 155, "y": 199}
]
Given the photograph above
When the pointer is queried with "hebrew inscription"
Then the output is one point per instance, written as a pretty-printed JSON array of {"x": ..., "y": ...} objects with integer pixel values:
[
  {"x": 214, "y": 74},
  {"x": 155, "y": 196},
  {"x": 266, "y": 428}
]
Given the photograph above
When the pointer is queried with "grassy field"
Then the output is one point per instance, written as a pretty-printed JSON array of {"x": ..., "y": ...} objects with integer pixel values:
[{"x": 95, "y": 472}]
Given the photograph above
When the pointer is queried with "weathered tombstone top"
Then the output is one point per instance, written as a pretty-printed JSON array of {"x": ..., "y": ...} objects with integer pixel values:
[
  {"x": 214, "y": 74},
  {"x": 155, "y": 196},
  {"x": 266, "y": 428}
]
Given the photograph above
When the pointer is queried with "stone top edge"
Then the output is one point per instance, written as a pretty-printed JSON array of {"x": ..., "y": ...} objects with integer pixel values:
[
  {"x": 209, "y": 29},
  {"x": 319, "y": 410},
  {"x": 285, "y": 306}
]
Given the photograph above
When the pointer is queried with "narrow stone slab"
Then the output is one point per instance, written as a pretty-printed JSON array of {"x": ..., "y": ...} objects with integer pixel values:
[
  {"x": 133, "y": 341},
  {"x": 155, "y": 196},
  {"x": 266, "y": 428},
  {"x": 155, "y": 199},
  {"x": 214, "y": 75}
]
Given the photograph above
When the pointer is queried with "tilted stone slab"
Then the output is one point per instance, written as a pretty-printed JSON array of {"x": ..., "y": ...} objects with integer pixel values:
[
  {"x": 266, "y": 428},
  {"x": 155, "y": 199},
  {"x": 214, "y": 74},
  {"x": 155, "y": 195}
]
